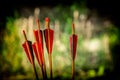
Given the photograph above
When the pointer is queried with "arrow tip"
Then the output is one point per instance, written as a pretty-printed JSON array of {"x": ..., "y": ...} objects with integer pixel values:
[
  {"x": 47, "y": 22},
  {"x": 47, "y": 19}
]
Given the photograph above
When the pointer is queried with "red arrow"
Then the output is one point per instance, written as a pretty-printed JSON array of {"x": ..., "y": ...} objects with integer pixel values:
[
  {"x": 73, "y": 42},
  {"x": 49, "y": 35},
  {"x": 38, "y": 49},
  {"x": 27, "y": 45},
  {"x": 73, "y": 46}
]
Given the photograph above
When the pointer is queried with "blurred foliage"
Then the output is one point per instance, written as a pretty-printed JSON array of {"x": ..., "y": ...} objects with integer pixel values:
[
  {"x": 101, "y": 70},
  {"x": 11, "y": 53},
  {"x": 114, "y": 35}
]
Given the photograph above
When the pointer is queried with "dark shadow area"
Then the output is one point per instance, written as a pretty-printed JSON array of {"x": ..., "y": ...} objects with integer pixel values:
[{"x": 108, "y": 9}]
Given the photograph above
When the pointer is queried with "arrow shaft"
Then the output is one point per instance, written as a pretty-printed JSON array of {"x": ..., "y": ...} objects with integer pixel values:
[
  {"x": 50, "y": 62},
  {"x": 73, "y": 68},
  {"x": 50, "y": 56},
  {"x": 42, "y": 69},
  {"x": 35, "y": 72},
  {"x": 73, "y": 29},
  {"x": 44, "y": 66}
]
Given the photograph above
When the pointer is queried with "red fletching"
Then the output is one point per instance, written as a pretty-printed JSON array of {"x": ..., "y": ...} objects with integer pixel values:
[
  {"x": 36, "y": 35},
  {"x": 73, "y": 45},
  {"x": 38, "y": 38},
  {"x": 38, "y": 53},
  {"x": 40, "y": 49},
  {"x": 29, "y": 55},
  {"x": 38, "y": 45},
  {"x": 49, "y": 35}
]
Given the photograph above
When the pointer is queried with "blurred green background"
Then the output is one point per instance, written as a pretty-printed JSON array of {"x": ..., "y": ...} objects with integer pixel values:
[{"x": 95, "y": 39}]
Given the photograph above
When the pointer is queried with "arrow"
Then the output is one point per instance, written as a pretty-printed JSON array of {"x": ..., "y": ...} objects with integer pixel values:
[
  {"x": 49, "y": 35},
  {"x": 27, "y": 45},
  {"x": 38, "y": 49},
  {"x": 73, "y": 45}
]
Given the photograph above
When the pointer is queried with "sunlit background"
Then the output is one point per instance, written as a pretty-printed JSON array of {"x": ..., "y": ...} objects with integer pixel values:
[{"x": 95, "y": 37}]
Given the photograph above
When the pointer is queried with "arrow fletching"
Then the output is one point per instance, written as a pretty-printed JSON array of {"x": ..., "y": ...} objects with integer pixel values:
[
  {"x": 38, "y": 36},
  {"x": 73, "y": 45},
  {"x": 38, "y": 54},
  {"x": 27, "y": 45},
  {"x": 35, "y": 32},
  {"x": 73, "y": 42},
  {"x": 48, "y": 34}
]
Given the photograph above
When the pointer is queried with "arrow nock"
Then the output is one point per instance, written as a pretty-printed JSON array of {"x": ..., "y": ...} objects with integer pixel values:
[{"x": 47, "y": 22}]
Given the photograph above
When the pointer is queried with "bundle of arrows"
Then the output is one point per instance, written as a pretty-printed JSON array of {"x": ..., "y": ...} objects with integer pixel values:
[{"x": 37, "y": 48}]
